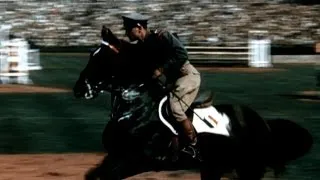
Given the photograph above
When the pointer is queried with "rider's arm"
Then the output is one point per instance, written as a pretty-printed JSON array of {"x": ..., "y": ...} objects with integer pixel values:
[{"x": 177, "y": 54}]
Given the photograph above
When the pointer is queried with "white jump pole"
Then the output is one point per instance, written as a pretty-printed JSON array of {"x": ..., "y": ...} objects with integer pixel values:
[
  {"x": 14, "y": 62},
  {"x": 16, "y": 59},
  {"x": 259, "y": 49}
]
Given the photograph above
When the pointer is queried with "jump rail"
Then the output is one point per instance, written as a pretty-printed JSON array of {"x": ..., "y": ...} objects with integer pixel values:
[
  {"x": 254, "y": 53},
  {"x": 216, "y": 55}
]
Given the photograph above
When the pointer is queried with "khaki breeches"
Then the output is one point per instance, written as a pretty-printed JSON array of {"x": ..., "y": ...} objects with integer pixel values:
[{"x": 185, "y": 91}]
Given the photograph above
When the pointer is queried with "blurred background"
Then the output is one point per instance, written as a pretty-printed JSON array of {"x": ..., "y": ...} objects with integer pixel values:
[{"x": 78, "y": 22}]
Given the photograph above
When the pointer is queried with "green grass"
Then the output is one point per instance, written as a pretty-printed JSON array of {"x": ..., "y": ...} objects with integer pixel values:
[{"x": 57, "y": 122}]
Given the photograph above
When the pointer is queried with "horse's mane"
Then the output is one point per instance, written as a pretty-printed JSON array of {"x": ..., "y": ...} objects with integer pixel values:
[{"x": 108, "y": 36}]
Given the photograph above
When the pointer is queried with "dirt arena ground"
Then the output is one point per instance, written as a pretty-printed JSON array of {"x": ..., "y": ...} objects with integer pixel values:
[
  {"x": 73, "y": 166},
  {"x": 17, "y": 88},
  {"x": 67, "y": 167}
]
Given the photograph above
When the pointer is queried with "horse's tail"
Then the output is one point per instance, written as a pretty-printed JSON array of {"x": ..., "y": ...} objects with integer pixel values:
[{"x": 289, "y": 142}]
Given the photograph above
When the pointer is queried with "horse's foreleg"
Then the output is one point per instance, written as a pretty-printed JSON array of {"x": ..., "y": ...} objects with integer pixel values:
[
  {"x": 112, "y": 168},
  {"x": 209, "y": 172},
  {"x": 216, "y": 152},
  {"x": 253, "y": 172},
  {"x": 110, "y": 136},
  {"x": 107, "y": 169}
]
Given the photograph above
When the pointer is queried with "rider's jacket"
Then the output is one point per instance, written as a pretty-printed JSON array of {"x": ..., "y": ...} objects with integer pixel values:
[{"x": 164, "y": 50}]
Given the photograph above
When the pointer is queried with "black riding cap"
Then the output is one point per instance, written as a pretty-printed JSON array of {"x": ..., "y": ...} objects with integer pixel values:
[{"x": 132, "y": 20}]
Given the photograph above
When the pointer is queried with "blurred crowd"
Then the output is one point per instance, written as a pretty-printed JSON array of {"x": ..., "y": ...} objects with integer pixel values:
[{"x": 221, "y": 22}]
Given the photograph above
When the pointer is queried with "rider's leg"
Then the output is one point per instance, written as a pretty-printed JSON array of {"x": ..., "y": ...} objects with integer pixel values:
[
  {"x": 186, "y": 90},
  {"x": 189, "y": 131}
]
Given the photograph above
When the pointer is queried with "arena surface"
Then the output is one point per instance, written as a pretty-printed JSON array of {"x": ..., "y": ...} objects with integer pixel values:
[
  {"x": 71, "y": 167},
  {"x": 67, "y": 167},
  {"x": 12, "y": 88}
]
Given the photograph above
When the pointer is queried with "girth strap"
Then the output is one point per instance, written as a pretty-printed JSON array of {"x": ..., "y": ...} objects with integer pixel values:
[{"x": 239, "y": 115}]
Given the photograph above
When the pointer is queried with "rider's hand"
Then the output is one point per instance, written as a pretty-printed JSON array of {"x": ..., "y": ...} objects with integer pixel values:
[{"x": 157, "y": 72}]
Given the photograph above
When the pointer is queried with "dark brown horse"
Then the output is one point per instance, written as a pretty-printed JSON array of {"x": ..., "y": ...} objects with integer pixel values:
[{"x": 138, "y": 134}]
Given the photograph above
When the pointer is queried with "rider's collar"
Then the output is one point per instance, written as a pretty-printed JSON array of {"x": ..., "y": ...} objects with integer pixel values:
[{"x": 110, "y": 46}]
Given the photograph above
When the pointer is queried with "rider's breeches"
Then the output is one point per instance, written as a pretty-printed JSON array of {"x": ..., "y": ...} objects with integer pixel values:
[{"x": 186, "y": 88}]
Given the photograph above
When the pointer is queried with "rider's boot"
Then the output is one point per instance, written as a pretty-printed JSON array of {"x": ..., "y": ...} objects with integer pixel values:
[
  {"x": 189, "y": 132},
  {"x": 190, "y": 135}
]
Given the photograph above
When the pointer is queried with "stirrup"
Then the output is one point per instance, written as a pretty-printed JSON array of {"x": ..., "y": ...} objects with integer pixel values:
[{"x": 192, "y": 151}]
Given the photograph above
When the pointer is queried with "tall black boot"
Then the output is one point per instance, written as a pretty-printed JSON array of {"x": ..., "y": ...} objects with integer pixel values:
[{"x": 189, "y": 131}]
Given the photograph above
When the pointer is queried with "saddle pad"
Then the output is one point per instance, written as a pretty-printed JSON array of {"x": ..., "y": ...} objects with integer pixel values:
[{"x": 219, "y": 121}]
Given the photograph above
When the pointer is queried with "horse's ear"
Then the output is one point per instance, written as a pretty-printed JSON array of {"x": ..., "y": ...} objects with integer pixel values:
[{"x": 104, "y": 33}]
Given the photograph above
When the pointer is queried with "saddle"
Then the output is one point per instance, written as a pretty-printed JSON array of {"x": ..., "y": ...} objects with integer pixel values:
[{"x": 203, "y": 99}]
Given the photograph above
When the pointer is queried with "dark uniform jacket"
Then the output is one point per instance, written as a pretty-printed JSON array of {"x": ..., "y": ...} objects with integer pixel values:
[{"x": 164, "y": 50}]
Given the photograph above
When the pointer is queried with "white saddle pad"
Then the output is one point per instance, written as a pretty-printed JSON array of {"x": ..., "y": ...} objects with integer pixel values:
[{"x": 219, "y": 121}]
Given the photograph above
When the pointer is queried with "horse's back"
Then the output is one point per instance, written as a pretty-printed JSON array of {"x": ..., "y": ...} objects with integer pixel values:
[
  {"x": 290, "y": 140},
  {"x": 248, "y": 144},
  {"x": 243, "y": 116},
  {"x": 247, "y": 128}
]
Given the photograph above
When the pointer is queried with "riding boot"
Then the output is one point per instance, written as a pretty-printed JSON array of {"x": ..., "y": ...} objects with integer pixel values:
[
  {"x": 191, "y": 148},
  {"x": 189, "y": 131}
]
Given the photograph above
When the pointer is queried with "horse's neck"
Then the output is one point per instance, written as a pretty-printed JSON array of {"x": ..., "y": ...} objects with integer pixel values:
[{"x": 123, "y": 96}]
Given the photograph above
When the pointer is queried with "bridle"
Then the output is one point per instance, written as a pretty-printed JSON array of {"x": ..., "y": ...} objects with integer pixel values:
[
  {"x": 93, "y": 89},
  {"x": 110, "y": 46}
]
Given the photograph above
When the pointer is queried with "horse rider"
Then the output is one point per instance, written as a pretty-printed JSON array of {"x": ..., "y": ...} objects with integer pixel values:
[{"x": 167, "y": 58}]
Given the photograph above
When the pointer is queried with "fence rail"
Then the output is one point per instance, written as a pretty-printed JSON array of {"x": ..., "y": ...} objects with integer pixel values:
[
  {"x": 215, "y": 55},
  {"x": 255, "y": 53}
]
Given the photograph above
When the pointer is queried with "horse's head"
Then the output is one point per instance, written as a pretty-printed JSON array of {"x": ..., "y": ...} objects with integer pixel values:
[
  {"x": 98, "y": 73},
  {"x": 114, "y": 63},
  {"x": 108, "y": 36}
]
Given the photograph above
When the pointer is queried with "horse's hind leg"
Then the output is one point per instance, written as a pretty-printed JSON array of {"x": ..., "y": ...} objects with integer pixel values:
[
  {"x": 210, "y": 172},
  {"x": 254, "y": 172},
  {"x": 217, "y": 154}
]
